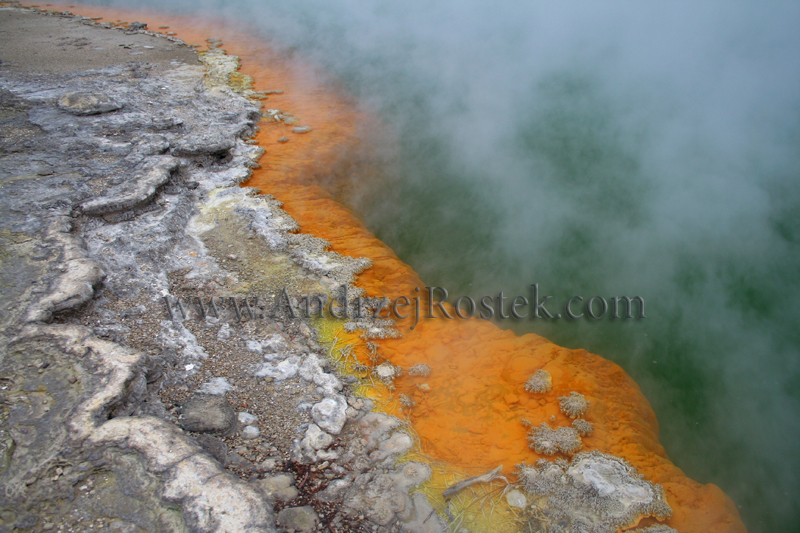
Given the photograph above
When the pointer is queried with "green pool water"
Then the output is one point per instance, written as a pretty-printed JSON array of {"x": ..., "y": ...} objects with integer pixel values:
[{"x": 584, "y": 213}]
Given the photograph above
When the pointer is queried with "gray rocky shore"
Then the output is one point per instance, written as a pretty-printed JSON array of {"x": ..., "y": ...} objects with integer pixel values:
[{"x": 120, "y": 163}]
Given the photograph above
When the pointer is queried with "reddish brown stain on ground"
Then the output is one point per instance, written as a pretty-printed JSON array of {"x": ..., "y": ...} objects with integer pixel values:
[{"x": 471, "y": 415}]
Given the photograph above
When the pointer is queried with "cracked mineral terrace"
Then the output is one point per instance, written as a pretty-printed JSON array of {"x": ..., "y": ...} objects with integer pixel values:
[{"x": 121, "y": 156}]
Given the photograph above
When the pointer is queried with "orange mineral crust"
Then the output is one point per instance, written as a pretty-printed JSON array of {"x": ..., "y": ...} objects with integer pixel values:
[{"x": 469, "y": 410}]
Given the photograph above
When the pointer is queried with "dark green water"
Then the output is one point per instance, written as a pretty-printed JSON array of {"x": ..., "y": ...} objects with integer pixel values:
[
  {"x": 601, "y": 150},
  {"x": 717, "y": 353}
]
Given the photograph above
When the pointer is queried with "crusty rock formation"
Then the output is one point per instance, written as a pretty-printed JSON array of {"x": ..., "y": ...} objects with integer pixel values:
[{"x": 595, "y": 493}]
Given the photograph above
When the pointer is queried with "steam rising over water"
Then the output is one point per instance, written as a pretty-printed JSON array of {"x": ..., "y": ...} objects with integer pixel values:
[{"x": 621, "y": 149}]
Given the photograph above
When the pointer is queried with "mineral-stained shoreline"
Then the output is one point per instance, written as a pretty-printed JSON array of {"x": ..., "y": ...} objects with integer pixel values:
[{"x": 121, "y": 155}]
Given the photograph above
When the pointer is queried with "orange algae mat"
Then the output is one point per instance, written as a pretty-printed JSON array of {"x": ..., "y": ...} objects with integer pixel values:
[{"x": 468, "y": 411}]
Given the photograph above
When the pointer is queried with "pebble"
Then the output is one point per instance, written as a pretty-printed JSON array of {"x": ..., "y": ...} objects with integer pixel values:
[
  {"x": 316, "y": 438},
  {"x": 301, "y": 129},
  {"x": 214, "y": 446},
  {"x": 250, "y": 432},
  {"x": 247, "y": 419},
  {"x": 275, "y": 483},
  {"x": 298, "y": 518},
  {"x": 285, "y": 495},
  {"x": 84, "y": 103},
  {"x": 216, "y": 386},
  {"x": 254, "y": 346},
  {"x": 330, "y": 414},
  {"x": 269, "y": 464},
  {"x": 516, "y": 498},
  {"x": 207, "y": 414}
]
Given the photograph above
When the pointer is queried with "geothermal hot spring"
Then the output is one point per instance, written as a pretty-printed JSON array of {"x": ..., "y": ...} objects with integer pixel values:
[{"x": 613, "y": 149}]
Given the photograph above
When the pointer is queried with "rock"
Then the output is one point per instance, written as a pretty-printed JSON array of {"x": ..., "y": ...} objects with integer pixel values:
[
  {"x": 335, "y": 490},
  {"x": 205, "y": 143},
  {"x": 237, "y": 460},
  {"x": 250, "y": 432},
  {"x": 120, "y": 526},
  {"x": 656, "y": 528},
  {"x": 283, "y": 140},
  {"x": 617, "y": 492},
  {"x": 141, "y": 189},
  {"x": 284, "y": 370},
  {"x": 301, "y": 129},
  {"x": 207, "y": 414},
  {"x": 327, "y": 455},
  {"x": 139, "y": 310},
  {"x": 312, "y": 371},
  {"x": 298, "y": 518},
  {"x": 373, "y": 427},
  {"x": 330, "y": 414},
  {"x": 137, "y": 26},
  {"x": 411, "y": 475},
  {"x": 216, "y": 386},
  {"x": 397, "y": 444},
  {"x": 247, "y": 419},
  {"x": 214, "y": 446},
  {"x": 254, "y": 346},
  {"x": 280, "y": 487},
  {"x": 516, "y": 498},
  {"x": 377, "y": 497},
  {"x": 274, "y": 343},
  {"x": 113, "y": 418},
  {"x": 84, "y": 103},
  {"x": 224, "y": 332},
  {"x": 286, "y": 494},
  {"x": 316, "y": 438},
  {"x": 270, "y": 464},
  {"x": 355, "y": 403},
  {"x": 26, "y": 521},
  {"x": 425, "y": 518}
]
